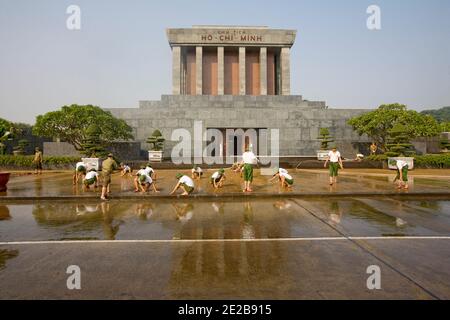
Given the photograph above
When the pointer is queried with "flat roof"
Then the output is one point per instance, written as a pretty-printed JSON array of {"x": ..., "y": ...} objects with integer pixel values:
[
  {"x": 218, "y": 26},
  {"x": 223, "y": 35}
]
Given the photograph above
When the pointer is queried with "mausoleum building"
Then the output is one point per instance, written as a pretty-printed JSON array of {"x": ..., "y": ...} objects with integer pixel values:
[{"x": 235, "y": 77}]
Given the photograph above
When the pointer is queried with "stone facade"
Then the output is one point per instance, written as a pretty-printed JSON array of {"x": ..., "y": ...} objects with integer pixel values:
[
  {"x": 263, "y": 56},
  {"x": 298, "y": 120},
  {"x": 121, "y": 150},
  {"x": 235, "y": 77}
]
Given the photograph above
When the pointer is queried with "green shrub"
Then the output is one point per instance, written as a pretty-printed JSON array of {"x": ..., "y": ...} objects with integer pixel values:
[
  {"x": 156, "y": 140},
  {"x": 325, "y": 138},
  {"x": 377, "y": 157},
  {"x": 399, "y": 142},
  {"x": 432, "y": 161},
  {"x": 426, "y": 161},
  {"x": 27, "y": 161}
]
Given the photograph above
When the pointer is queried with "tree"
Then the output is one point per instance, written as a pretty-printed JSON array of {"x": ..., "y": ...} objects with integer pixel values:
[
  {"x": 156, "y": 140},
  {"x": 21, "y": 145},
  {"x": 398, "y": 143},
  {"x": 325, "y": 138},
  {"x": 5, "y": 126},
  {"x": 445, "y": 145},
  {"x": 5, "y": 134},
  {"x": 441, "y": 115},
  {"x": 445, "y": 126},
  {"x": 10, "y": 131},
  {"x": 377, "y": 124},
  {"x": 71, "y": 124},
  {"x": 92, "y": 145}
]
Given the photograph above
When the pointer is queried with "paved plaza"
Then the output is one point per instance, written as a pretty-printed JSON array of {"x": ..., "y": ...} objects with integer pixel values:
[
  {"x": 56, "y": 184},
  {"x": 272, "y": 245}
]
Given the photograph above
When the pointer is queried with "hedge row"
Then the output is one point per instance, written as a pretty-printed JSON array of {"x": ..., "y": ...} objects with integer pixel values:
[
  {"x": 433, "y": 161},
  {"x": 424, "y": 161},
  {"x": 27, "y": 161}
]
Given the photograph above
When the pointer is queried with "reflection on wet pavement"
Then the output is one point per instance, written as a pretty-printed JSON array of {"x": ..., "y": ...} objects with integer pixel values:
[
  {"x": 191, "y": 219},
  {"x": 6, "y": 255},
  {"x": 289, "y": 263}
]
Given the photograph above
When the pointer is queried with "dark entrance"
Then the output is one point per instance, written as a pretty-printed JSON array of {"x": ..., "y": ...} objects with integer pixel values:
[{"x": 238, "y": 140}]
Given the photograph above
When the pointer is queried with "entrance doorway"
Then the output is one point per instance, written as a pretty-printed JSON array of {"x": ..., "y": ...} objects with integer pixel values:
[{"x": 237, "y": 140}]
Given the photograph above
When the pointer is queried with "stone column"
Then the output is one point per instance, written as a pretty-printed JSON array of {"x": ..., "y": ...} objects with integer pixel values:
[
  {"x": 241, "y": 71},
  {"x": 199, "y": 70},
  {"x": 220, "y": 71},
  {"x": 285, "y": 72},
  {"x": 263, "y": 71},
  {"x": 176, "y": 70},
  {"x": 183, "y": 72}
]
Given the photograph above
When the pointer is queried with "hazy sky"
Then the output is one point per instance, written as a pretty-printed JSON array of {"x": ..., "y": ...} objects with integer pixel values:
[{"x": 121, "y": 54}]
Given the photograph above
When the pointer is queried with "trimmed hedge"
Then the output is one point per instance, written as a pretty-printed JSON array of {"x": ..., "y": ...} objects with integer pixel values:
[
  {"x": 427, "y": 161},
  {"x": 433, "y": 161},
  {"x": 377, "y": 157},
  {"x": 27, "y": 161}
]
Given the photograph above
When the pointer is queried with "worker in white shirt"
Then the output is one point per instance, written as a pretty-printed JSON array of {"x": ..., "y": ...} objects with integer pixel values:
[
  {"x": 90, "y": 179},
  {"x": 80, "y": 172},
  {"x": 185, "y": 183},
  {"x": 286, "y": 180},
  {"x": 147, "y": 170},
  {"x": 145, "y": 181},
  {"x": 126, "y": 169},
  {"x": 401, "y": 179},
  {"x": 249, "y": 159},
  {"x": 197, "y": 173},
  {"x": 218, "y": 178},
  {"x": 150, "y": 171},
  {"x": 334, "y": 157}
]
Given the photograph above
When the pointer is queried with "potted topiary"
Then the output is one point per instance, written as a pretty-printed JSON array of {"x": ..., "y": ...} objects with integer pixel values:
[
  {"x": 19, "y": 150},
  {"x": 445, "y": 142},
  {"x": 325, "y": 138},
  {"x": 399, "y": 147},
  {"x": 156, "y": 140},
  {"x": 92, "y": 147}
]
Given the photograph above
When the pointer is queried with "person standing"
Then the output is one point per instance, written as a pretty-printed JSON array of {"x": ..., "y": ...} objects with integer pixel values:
[
  {"x": 37, "y": 161},
  {"x": 108, "y": 167},
  {"x": 249, "y": 159},
  {"x": 334, "y": 157},
  {"x": 373, "y": 148}
]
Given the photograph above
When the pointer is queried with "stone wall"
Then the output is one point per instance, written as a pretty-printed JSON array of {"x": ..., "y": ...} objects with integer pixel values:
[
  {"x": 33, "y": 141},
  {"x": 298, "y": 120},
  {"x": 121, "y": 150},
  {"x": 60, "y": 149}
]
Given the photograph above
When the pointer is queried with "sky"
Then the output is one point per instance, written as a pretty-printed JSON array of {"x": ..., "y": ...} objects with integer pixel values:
[{"x": 121, "y": 54}]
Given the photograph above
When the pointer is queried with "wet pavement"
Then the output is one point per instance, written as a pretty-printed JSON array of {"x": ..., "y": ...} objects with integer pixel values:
[
  {"x": 56, "y": 184},
  {"x": 287, "y": 248}
]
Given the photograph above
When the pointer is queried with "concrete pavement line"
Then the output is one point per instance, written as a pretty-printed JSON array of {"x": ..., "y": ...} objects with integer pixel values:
[
  {"x": 402, "y": 238},
  {"x": 354, "y": 240},
  {"x": 225, "y": 240}
]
